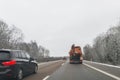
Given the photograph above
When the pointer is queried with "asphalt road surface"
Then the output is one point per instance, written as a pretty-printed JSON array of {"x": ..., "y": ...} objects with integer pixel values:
[
  {"x": 85, "y": 71},
  {"x": 62, "y": 70},
  {"x": 45, "y": 69}
]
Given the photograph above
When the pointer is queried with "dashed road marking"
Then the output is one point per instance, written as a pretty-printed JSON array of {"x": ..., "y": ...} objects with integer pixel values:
[
  {"x": 63, "y": 64},
  {"x": 108, "y": 74},
  {"x": 46, "y": 77}
]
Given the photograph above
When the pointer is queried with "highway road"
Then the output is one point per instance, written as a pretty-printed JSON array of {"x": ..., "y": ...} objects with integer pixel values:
[
  {"x": 86, "y": 71},
  {"x": 45, "y": 69},
  {"x": 61, "y": 70}
]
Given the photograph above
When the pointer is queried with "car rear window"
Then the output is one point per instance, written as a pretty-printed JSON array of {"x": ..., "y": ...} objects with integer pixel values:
[{"x": 4, "y": 55}]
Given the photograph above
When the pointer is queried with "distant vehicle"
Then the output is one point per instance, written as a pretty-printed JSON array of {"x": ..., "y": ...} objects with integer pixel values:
[
  {"x": 64, "y": 58},
  {"x": 16, "y": 63},
  {"x": 76, "y": 55}
]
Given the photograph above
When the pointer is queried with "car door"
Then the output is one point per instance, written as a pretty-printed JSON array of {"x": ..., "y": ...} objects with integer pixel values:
[
  {"x": 25, "y": 65},
  {"x": 30, "y": 69}
]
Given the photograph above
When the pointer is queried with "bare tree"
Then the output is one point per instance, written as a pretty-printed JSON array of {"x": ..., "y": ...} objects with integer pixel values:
[
  {"x": 106, "y": 47},
  {"x": 12, "y": 38}
]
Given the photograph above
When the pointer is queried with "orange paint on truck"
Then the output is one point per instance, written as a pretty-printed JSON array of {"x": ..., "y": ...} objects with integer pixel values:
[{"x": 76, "y": 55}]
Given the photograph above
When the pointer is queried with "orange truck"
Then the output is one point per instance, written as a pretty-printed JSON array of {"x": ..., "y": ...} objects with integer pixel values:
[{"x": 76, "y": 55}]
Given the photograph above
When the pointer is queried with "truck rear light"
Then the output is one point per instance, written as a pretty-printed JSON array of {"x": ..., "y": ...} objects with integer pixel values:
[
  {"x": 9, "y": 63},
  {"x": 71, "y": 60}
]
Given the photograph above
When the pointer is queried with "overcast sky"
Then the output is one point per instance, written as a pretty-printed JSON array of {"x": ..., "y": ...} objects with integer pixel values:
[{"x": 57, "y": 24}]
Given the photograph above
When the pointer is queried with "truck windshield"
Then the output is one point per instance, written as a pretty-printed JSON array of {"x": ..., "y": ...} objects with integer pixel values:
[{"x": 4, "y": 55}]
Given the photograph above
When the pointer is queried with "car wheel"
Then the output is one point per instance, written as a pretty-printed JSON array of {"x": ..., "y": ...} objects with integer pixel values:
[
  {"x": 36, "y": 69},
  {"x": 20, "y": 75}
]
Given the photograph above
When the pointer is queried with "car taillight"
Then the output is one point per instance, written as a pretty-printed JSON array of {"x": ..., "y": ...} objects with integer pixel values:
[{"x": 9, "y": 63}]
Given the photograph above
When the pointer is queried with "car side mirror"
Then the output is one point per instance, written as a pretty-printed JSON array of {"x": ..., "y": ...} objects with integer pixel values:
[{"x": 31, "y": 59}]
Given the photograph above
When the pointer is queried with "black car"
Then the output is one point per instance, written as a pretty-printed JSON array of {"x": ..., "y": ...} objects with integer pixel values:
[{"x": 16, "y": 63}]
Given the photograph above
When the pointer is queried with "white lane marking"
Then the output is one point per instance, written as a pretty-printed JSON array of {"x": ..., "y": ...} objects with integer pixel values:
[
  {"x": 46, "y": 77},
  {"x": 108, "y": 74},
  {"x": 62, "y": 64},
  {"x": 103, "y": 64}
]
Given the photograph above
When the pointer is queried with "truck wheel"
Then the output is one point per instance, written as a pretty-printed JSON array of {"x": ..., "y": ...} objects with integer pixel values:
[{"x": 81, "y": 62}]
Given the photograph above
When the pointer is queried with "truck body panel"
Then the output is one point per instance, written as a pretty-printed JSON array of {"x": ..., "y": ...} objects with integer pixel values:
[{"x": 76, "y": 55}]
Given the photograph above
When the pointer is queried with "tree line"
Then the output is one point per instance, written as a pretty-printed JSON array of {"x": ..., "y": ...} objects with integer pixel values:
[
  {"x": 12, "y": 38},
  {"x": 106, "y": 47}
]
